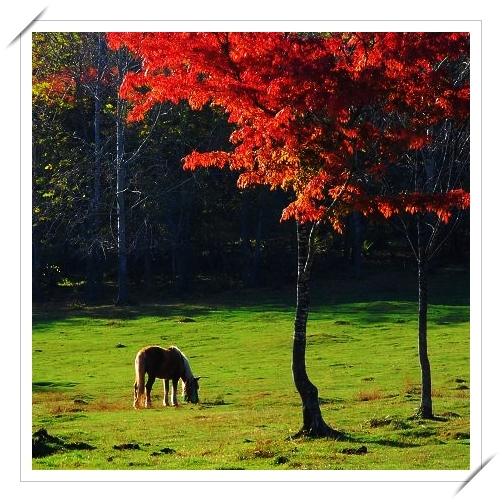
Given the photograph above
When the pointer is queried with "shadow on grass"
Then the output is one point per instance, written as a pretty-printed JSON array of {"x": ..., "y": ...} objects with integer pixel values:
[
  {"x": 379, "y": 297},
  {"x": 47, "y": 313},
  {"x": 394, "y": 443},
  {"x": 212, "y": 404},
  {"x": 344, "y": 437},
  {"x": 420, "y": 420},
  {"x": 51, "y": 386}
]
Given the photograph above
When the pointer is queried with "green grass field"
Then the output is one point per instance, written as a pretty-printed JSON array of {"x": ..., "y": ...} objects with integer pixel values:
[{"x": 361, "y": 354}]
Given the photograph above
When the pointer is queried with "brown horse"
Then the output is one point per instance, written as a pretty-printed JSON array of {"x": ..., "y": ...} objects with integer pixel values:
[{"x": 169, "y": 364}]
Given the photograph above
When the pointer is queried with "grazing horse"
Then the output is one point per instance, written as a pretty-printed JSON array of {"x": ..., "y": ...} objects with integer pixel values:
[{"x": 171, "y": 365}]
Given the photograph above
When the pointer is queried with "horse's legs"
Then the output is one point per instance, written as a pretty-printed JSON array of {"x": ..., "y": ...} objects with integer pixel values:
[
  {"x": 166, "y": 391},
  {"x": 135, "y": 398},
  {"x": 174, "y": 397},
  {"x": 149, "y": 385}
]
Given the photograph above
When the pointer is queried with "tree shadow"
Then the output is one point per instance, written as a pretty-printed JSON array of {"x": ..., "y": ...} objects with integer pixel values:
[
  {"x": 394, "y": 443},
  {"x": 48, "y": 313}
]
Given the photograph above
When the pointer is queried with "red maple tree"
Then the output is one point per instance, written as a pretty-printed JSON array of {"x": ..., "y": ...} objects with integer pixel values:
[{"x": 318, "y": 115}]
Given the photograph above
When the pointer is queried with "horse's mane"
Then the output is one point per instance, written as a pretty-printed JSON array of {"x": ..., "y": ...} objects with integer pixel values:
[
  {"x": 186, "y": 365},
  {"x": 187, "y": 373}
]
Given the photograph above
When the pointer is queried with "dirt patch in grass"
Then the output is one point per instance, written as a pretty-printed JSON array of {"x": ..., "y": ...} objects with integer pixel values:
[
  {"x": 369, "y": 395},
  {"x": 438, "y": 393},
  {"x": 104, "y": 405},
  {"x": 61, "y": 409},
  {"x": 461, "y": 394},
  {"x": 48, "y": 397},
  {"x": 410, "y": 387},
  {"x": 393, "y": 422},
  {"x": 261, "y": 449},
  {"x": 78, "y": 405}
]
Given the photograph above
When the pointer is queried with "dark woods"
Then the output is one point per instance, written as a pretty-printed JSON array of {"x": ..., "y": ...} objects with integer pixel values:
[{"x": 116, "y": 218}]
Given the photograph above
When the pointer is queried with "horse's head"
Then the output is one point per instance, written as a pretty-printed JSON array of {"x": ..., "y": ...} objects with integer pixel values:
[{"x": 192, "y": 390}]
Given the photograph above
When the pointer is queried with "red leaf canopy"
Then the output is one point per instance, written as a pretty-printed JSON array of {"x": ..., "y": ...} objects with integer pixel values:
[{"x": 310, "y": 111}]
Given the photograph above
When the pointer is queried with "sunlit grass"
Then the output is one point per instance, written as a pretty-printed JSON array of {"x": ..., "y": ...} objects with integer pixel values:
[{"x": 361, "y": 354}]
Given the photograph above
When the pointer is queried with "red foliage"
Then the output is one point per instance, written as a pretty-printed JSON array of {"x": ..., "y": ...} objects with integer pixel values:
[{"x": 309, "y": 111}]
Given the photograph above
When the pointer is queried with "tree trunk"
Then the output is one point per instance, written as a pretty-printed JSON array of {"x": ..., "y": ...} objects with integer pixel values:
[
  {"x": 254, "y": 278},
  {"x": 313, "y": 423},
  {"x": 245, "y": 245},
  {"x": 147, "y": 263},
  {"x": 94, "y": 268},
  {"x": 122, "y": 295},
  {"x": 425, "y": 410},
  {"x": 184, "y": 279},
  {"x": 357, "y": 234},
  {"x": 36, "y": 266}
]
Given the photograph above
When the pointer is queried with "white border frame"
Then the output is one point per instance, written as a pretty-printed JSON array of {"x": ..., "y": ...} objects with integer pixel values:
[{"x": 26, "y": 471}]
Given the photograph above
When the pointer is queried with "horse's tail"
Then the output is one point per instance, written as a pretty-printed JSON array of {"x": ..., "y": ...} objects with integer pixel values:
[{"x": 139, "y": 382}]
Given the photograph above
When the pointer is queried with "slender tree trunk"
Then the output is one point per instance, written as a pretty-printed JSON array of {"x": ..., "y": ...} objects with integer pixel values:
[
  {"x": 313, "y": 422},
  {"x": 185, "y": 245},
  {"x": 94, "y": 269},
  {"x": 425, "y": 410},
  {"x": 245, "y": 246},
  {"x": 147, "y": 260},
  {"x": 256, "y": 262},
  {"x": 357, "y": 234},
  {"x": 35, "y": 265},
  {"x": 122, "y": 295}
]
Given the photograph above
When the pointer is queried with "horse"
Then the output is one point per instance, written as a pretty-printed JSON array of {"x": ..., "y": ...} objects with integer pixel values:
[{"x": 169, "y": 364}]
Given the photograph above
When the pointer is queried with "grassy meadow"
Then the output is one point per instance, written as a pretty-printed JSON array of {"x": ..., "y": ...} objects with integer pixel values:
[{"x": 361, "y": 354}]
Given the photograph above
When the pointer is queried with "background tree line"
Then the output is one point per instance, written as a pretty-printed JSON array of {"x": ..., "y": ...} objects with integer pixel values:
[{"x": 116, "y": 218}]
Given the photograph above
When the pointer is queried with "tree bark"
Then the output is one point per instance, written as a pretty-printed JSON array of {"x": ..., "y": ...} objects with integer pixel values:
[
  {"x": 425, "y": 410},
  {"x": 147, "y": 261},
  {"x": 254, "y": 278},
  {"x": 94, "y": 268},
  {"x": 313, "y": 422},
  {"x": 357, "y": 234},
  {"x": 122, "y": 294},
  {"x": 36, "y": 266}
]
